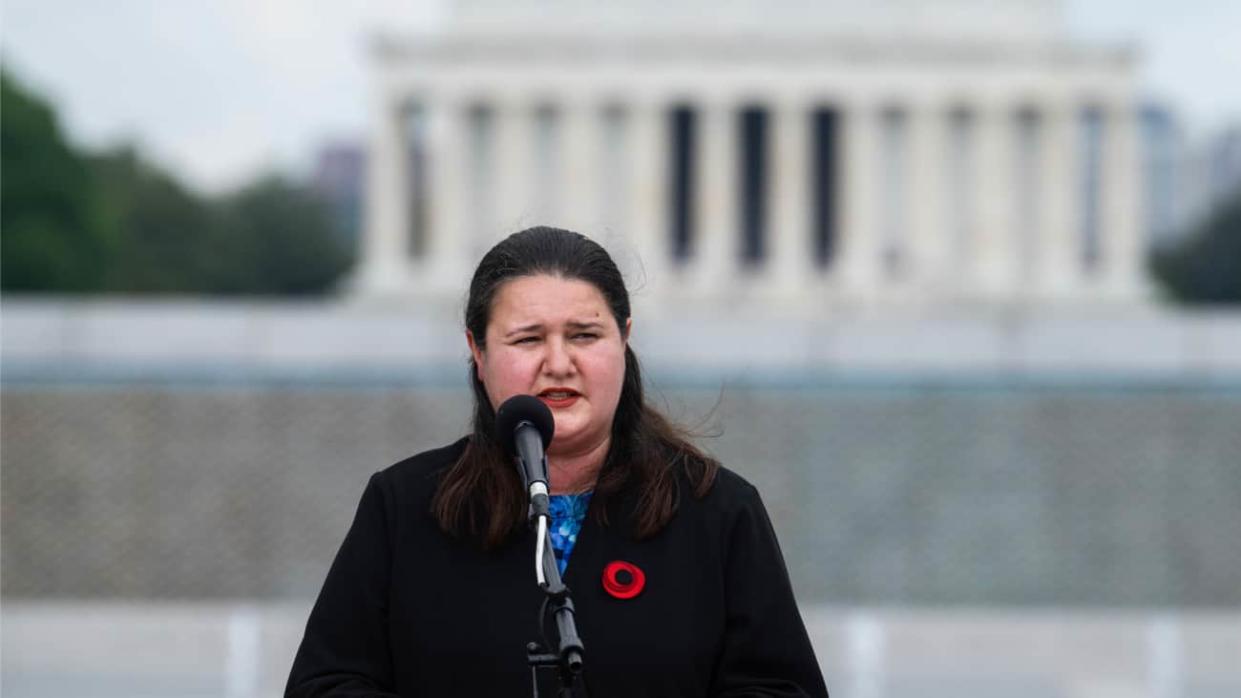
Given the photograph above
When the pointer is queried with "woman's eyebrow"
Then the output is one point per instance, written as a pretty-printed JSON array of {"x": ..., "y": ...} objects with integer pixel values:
[
  {"x": 572, "y": 325},
  {"x": 524, "y": 328}
]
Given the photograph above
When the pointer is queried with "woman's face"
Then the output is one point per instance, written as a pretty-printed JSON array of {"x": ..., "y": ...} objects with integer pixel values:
[{"x": 556, "y": 339}]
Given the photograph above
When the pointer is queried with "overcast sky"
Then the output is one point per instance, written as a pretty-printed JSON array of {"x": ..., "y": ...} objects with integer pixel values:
[{"x": 221, "y": 89}]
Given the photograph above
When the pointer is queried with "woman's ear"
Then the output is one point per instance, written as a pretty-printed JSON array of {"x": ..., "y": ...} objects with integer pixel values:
[
  {"x": 628, "y": 328},
  {"x": 476, "y": 353}
]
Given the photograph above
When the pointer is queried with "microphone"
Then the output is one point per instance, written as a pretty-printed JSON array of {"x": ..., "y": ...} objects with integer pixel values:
[{"x": 524, "y": 426}]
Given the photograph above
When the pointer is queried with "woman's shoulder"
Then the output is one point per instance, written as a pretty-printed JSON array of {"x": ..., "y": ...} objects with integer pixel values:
[
  {"x": 421, "y": 471},
  {"x": 730, "y": 483},
  {"x": 730, "y": 492}
]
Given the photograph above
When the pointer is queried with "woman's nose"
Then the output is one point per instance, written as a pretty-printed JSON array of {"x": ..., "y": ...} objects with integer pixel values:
[{"x": 558, "y": 360}]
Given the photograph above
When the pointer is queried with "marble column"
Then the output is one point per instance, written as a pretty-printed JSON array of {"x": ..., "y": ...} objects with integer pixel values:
[
  {"x": 960, "y": 173},
  {"x": 994, "y": 248},
  {"x": 581, "y": 152},
  {"x": 926, "y": 234},
  {"x": 542, "y": 146},
  {"x": 448, "y": 254},
  {"x": 1028, "y": 145},
  {"x": 1120, "y": 227},
  {"x": 647, "y": 184},
  {"x": 714, "y": 251},
  {"x": 385, "y": 264},
  {"x": 1060, "y": 273},
  {"x": 515, "y": 167},
  {"x": 859, "y": 260},
  {"x": 790, "y": 257}
]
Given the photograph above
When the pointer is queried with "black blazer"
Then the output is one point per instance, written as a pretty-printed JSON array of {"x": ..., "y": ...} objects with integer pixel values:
[{"x": 408, "y": 611}]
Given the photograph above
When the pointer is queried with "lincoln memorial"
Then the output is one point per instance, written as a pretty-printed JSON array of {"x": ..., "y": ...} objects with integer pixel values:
[{"x": 753, "y": 151}]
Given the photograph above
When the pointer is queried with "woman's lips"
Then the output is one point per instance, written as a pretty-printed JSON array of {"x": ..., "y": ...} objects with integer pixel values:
[
  {"x": 560, "y": 402},
  {"x": 559, "y": 398}
]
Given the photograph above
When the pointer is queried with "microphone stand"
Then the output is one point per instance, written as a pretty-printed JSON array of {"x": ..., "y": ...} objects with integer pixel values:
[{"x": 568, "y": 655}]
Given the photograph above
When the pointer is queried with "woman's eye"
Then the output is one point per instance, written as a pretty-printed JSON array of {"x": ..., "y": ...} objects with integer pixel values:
[
  {"x": 526, "y": 340},
  {"x": 585, "y": 335}
]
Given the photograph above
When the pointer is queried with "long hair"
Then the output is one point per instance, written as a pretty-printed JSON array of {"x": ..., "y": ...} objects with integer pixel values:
[{"x": 481, "y": 496}]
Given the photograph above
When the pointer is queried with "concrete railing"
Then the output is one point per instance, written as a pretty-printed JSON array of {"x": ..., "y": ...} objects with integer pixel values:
[
  {"x": 50, "y": 338},
  {"x": 244, "y": 650}
]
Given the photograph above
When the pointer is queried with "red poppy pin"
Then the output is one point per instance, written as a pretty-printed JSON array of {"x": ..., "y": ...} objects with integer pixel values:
[{"x": 623, "y": 580}]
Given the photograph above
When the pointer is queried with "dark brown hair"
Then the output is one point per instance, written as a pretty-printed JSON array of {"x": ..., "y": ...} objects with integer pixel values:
[{"x": 481, "y": 495}]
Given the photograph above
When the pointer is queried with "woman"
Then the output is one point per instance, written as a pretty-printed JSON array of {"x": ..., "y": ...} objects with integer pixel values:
[{"x": 678, "y": 581}]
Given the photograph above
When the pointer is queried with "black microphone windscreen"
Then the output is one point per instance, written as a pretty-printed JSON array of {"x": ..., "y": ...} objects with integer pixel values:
[{"x": 523, "y": 408}]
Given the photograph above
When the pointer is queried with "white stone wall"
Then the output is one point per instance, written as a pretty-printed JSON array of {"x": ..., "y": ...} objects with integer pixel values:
[
  {"x": 245, "y": 650},
  {"x": 57, "y": 338}
]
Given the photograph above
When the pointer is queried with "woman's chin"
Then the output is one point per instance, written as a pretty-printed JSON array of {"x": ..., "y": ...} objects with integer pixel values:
[{"x": 571, "y": 443}]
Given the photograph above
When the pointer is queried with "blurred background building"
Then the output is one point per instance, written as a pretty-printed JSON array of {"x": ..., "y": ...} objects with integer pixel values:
[
  {"x": 953, "y": 150},
  {"x": 901, "y": 263}
]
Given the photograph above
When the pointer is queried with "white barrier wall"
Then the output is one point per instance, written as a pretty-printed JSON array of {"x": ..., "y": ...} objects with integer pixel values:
[
  {"x": 57, "y": 335},
  {"x": 242, "y": 650}
]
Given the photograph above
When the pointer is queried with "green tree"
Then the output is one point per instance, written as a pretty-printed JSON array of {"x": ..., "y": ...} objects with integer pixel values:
[
  {"x": 1206, "y": 266},
  {"x": 114, "y": 222},
  {"x": 51, "y": 236},
  {"x": 162, "y": 238},
  {"x": 275, "y": 237}
]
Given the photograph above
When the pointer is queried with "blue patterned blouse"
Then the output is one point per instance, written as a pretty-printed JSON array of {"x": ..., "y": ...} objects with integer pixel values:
[{"x": 568, "y": 511}]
